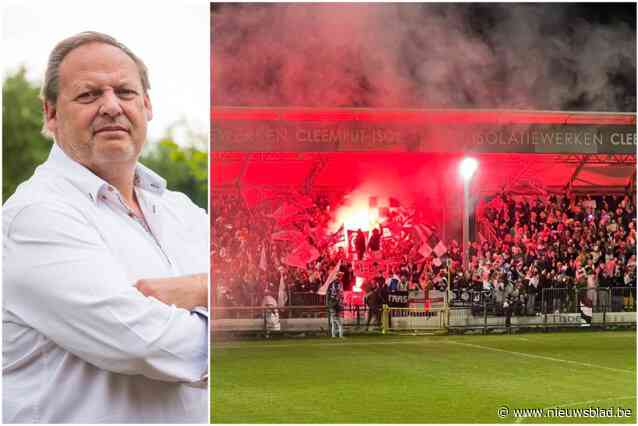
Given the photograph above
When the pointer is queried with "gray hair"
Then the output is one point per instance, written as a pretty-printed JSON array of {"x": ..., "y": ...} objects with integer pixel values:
[{"x": 51, "y": 86}]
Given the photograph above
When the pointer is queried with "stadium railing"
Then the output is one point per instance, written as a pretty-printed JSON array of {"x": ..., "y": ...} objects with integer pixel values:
[
  {"x": 550, "y": 308},
  {"x": 306, "y": 299},
  {"x": 555, "y": 300},
  {"x": 615, "y": 306},
  {"x": 476, "y": 310},
  {"x": 304, "y": 318},
  {"x": 412, "y": 319},
  {"x": 615, "y": 299}
]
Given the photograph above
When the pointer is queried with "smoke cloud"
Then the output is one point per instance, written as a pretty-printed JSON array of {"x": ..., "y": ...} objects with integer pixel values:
[
  {"x": 402, "y": 177},
  {"x": 523, "y": 56}
]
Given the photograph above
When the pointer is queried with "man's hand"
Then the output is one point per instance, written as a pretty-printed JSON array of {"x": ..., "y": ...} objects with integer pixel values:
[{"x": 185, "y": 292}]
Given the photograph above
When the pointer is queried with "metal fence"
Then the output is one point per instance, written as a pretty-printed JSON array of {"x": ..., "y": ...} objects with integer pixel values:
[
  {"x": 615, "y": 299},
  {"x": 562, "y": 300},
  {"x": 291, "y": 319},
  {"x": 548, "y": 300},
  {"x": 253, "y": 312},
  {"x": 468, "y": 309},
  {"x": 550, "y": 308},
  {"x": 412, "y": 319},
  {"x": 306, "y": 299}
]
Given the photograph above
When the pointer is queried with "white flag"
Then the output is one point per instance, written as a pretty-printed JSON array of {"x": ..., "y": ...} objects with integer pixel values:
[
  {"x": 425, "y": 250},
  {"x": 424, "y": 231},
  {"x": 440, "y": 249},
  {"x": 331, "y": 276}
]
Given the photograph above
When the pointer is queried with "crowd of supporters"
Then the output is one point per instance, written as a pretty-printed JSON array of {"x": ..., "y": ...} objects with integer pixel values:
[
  {"x": 526, "y": 244},
  {"x": 246, "y": 262},
  {"x": 555, "y": 242}
]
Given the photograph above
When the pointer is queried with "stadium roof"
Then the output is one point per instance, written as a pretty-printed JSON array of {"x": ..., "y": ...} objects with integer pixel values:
[
  {"x": 524, "y": 173},
  {"x": 608, "y": 166},
  {"x": 453, "y": 116}
]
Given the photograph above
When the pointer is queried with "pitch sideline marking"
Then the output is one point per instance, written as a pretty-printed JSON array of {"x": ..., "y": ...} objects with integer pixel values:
[
  {"x": 393, "y": 342},
  {"x": 571, "y": 404},
  {"x": 547, "y": 358}
]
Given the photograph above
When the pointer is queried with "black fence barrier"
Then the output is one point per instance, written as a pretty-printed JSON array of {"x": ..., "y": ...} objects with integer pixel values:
[
  {"x": 545, "y": 301},
  {"x": 492, "y": 301},
  {"x": 289, "y": 319},
  {"x": 306, "y": 299},
  {"x": 354, "y": 314},
  {"x": 570, "y": 300},
  {"x": 615, "y": 299},
  {"x": 469, "y": 309},
  {"x": 562, "y": 300}
]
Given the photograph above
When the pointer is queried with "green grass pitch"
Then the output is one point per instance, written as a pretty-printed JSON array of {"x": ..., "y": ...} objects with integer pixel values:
[{"x": 424, "y": 379}]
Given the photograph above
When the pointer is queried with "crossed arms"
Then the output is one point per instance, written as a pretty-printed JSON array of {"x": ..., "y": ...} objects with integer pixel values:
[
  {"x": 64, "y": 282},
  {"x": 186, "y": 292}
]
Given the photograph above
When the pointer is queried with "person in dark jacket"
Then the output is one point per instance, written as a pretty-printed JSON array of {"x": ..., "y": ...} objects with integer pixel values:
[
  {"x": 360, "y": 244},
  {"x": 384, "y": 296},
  {"x": 374, "y": 301},
  {"x": 374, "y": 245},
  {"x": 334, "y": 300}
]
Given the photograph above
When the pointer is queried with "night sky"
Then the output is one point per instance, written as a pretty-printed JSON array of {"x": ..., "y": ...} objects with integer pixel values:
[{"x": 579, "y": 57}]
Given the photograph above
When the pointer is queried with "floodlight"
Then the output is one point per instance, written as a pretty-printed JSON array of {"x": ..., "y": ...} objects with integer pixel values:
[{"x": 468, "y": 167}]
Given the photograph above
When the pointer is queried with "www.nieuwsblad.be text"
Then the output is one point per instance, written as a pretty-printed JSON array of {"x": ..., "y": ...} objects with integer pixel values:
[{"x": 558, "y": 412}]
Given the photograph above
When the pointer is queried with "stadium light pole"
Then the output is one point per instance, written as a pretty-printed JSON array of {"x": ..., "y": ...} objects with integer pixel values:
[{"x": 467, "y": 169}]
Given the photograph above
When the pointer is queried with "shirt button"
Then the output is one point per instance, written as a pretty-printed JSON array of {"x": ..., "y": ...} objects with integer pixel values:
[
  {"x": 103, "y": 197},
  {"x": 131, "y": 215},
  {"x": 110, "y": 188}
]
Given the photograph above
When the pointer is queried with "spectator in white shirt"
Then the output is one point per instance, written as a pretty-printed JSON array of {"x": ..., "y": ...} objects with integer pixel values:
[{"x": 104, "y": 270}]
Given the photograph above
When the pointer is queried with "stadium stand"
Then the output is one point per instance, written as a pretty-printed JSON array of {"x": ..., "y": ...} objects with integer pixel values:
[
  {"x": 552, "y": 232},
  {"x": 544, "y": 255}
]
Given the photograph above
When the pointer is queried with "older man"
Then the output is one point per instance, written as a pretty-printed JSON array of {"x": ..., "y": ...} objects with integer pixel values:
[{"x": 105, "y": 292}]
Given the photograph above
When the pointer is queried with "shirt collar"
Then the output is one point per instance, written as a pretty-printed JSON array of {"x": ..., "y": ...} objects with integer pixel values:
[
  {"x": 91, "y": 184},
  {"x": 147, "y": 179}
]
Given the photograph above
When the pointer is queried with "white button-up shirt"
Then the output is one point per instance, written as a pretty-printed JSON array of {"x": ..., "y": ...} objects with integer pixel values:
[{"x": 80, "y": 343}]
